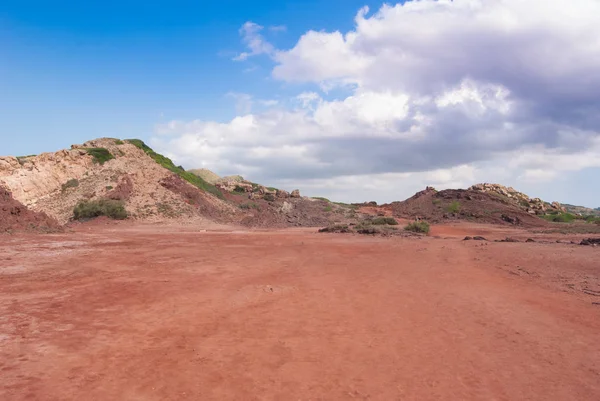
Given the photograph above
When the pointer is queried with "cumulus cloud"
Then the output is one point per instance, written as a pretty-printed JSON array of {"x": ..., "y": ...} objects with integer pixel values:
[{"x": 439, "y": 92}]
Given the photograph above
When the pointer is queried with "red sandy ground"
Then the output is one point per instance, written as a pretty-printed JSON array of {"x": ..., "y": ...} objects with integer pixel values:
[{"x": 142, "y": 312}]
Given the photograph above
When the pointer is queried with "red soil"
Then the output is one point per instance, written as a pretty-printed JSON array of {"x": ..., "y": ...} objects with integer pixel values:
[
  {"x": 149, "y": 312},
  {"x": 14, "y": 216}
]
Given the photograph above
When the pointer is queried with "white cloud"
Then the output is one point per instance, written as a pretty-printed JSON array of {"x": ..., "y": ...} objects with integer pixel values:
[
  {"x": 255, "y": 42},
  {"x": 443, "y": 93}
]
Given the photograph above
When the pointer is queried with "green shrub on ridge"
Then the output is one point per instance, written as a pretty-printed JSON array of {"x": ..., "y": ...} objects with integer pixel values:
[{"x": 169, "y": 165}]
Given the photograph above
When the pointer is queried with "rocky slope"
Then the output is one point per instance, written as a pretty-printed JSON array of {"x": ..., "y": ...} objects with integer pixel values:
[
  {"x": 151, "y": 187},
  {"x": 14, "y": 216},
  {"x": 459, "y": 204},
  {"x": 55, "y": 182}
]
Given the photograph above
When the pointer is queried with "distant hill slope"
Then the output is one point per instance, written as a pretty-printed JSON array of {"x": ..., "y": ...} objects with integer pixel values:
[
  {"x": 460, "y": 204},
  {"x": 206, "y": 175}
]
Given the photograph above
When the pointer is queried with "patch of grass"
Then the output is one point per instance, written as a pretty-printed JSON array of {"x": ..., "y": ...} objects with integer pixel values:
[
  {"x": 169, "y": 165},
  {"x": 592, "y": 219},
  {"x": 454, "y": 207},
  {"x": 418, "y": 227},
  {"x": 337, "y": 228},
  {"x": 249, "y": 205},
  {"x": 101, "y": 207},
  {"x": 383, "y": 221},
  {"x": 328, "y": 208},
  {"x": 437, "y": 201},
  {"x": 109, "y": 187},
  {"x": 72, "y": 183},
  {"x": 321, "y": 198},
  {"x": 272, "y": 189},
  {"x": 100, "y": 155},
  {"x": 560, "y": 217},
  {"x": 119, "y": 142}
]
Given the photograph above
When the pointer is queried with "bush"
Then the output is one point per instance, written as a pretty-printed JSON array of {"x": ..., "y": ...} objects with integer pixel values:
[
  {"x": 72, "y": 183},
  {"x": 418, "y": 227},
  {"x": 169, "y": 165},
  {"x": 338, "y": 228},
  {"x": 328, "y": 208},
  {"x": 250, "y": 205},
  {"x": 269, "y": 197},
  {"x": 454, "y": 207},
  {"x": 240, "y": 190},
  {"x": 119, "y": 142},
  {"x": 560, "y": 217},
  {"x": 382, "y": 221},
  {"x": 101, "y": 207},
  {"x": 100, "y": 155}
]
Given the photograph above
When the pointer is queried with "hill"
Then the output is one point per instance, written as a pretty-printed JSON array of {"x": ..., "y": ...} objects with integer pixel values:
[
  {"x": 149, "y": 186},
  {"x": 463, "y": 204}
]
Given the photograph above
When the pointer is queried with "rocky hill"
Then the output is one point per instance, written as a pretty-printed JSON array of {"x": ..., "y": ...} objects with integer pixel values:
[
  {"x": 459, "y": 204},
  {"x": 150, "y": 187},
  {"x": 105, "y": 168}
]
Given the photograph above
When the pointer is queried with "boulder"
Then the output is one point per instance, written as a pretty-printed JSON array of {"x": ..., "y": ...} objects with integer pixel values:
[
  {"x": 295, "y": 193},
  {"x": 282, "y": 194}
]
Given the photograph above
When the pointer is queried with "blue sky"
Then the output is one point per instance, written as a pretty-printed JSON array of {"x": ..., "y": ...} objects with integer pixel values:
[
  {"x": 71, "y": 71},
  {"x": 350, "y": 99}
]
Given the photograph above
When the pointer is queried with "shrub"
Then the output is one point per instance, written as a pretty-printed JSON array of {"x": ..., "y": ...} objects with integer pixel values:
[
  {"x": 100, "y": 155},
  {"x": 72, "y": 183},
  {"x": 101, "y": 207},
  {"x": 338, "y": 228},
  {"x": 382, "y": 221},
  {"x": 269, "y": 197},
  {"x": 119, "y": 142},
  {"x": 454, "y": 207},
  {"x": 109, "y": 187},
  {"x": 239, "y": 189},
  {"x": 560, "y": 217},
  {"x": 328, "y": 208},
  {"x": 250, "y": 205},
  {"x": 169, "y": 165},
  {"x": 418, "y": 227}
]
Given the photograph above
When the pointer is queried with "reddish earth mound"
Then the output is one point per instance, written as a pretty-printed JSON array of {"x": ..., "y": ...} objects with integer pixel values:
[
  {"x": 458, "y": 204},
  {"x": 14, "y": 216}
]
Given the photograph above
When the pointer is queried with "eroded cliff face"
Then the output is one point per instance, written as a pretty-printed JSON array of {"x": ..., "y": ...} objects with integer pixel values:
[
  {"x": 55, "y": 182},
  {"x": 33, "y": 178}
]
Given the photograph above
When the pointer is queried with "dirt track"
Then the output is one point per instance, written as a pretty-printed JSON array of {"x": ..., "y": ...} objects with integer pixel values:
[{"x": 160, "y": 313}]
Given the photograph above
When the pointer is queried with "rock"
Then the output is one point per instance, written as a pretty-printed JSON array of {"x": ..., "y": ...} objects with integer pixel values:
[
  {"x": 286, "y": 207},
  {"x": 590, "y": 241},
  {"x": 530, "y": 240},
  {"x": 509, "y": 239},
  {"x": 467, "y": 238},
  {"x": 295, "y": 193},
  {"x": 479, "y": 238},
  {"x": 282, "y": 194}
]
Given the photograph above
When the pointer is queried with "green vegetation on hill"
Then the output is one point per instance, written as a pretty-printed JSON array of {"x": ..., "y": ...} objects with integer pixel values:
[
  {"x": 100, "y": 155},
  {"x": 169, "y": 165},
  {"x": 560, "y": 217},
  {"x": 102, "y": 207}
]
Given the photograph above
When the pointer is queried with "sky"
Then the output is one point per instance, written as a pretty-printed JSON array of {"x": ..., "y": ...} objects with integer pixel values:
[{"x": 352, "y": 100}]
